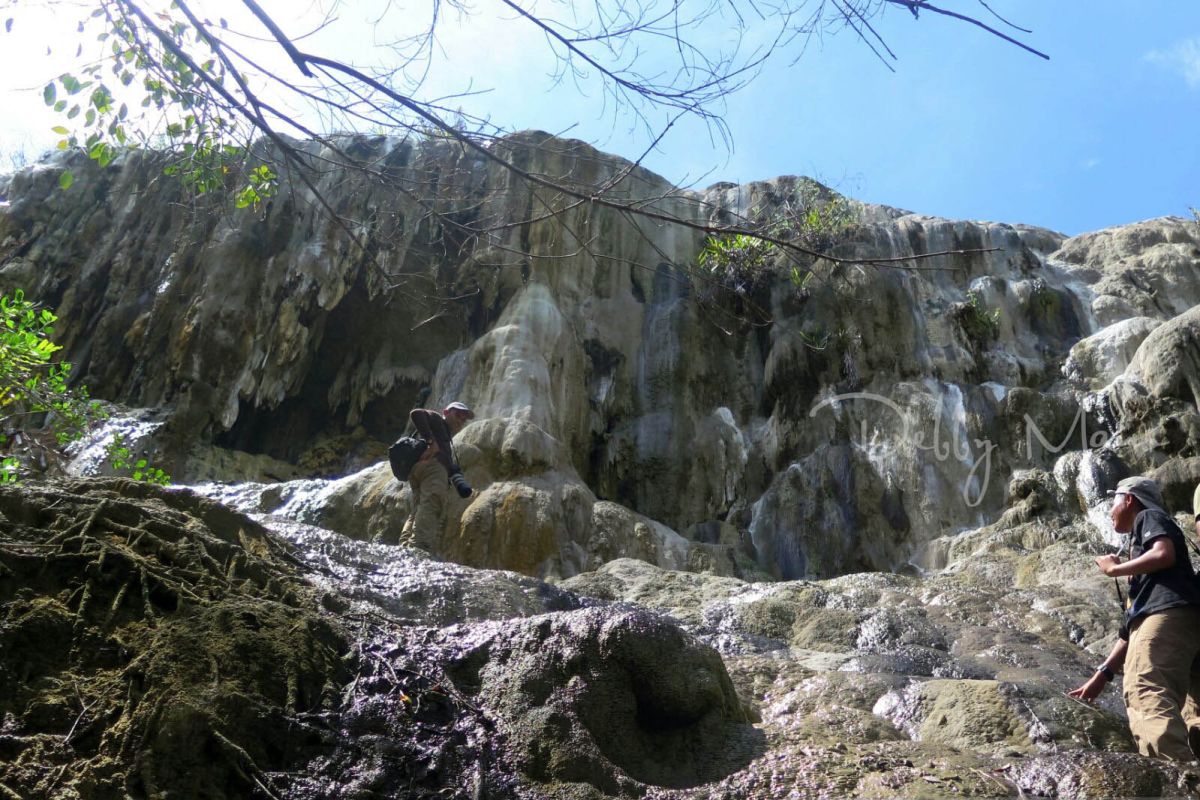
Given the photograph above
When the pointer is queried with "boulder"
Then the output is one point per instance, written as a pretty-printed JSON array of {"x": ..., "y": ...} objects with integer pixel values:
[
  {"x": 1168, "y": 361},
  {"x": 1145, "y": 269},
  {"x": 1098, "y": 359},
  {"x": 601, "y": 698}
]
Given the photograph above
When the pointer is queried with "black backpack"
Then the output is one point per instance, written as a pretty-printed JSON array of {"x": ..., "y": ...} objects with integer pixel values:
[{"x": 404, "y": 454}]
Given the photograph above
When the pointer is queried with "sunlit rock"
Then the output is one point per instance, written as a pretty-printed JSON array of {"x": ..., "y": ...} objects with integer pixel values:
[{"x": 1095, "y": 361}]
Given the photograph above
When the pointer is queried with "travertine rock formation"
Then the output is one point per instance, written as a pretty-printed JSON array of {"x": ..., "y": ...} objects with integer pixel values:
[
  {"x": 916, "y": 448},
  {"x": 628, "y": 405}
]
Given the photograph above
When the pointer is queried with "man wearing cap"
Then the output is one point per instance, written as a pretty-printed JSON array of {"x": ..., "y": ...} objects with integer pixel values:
[
  {"x": 434, "y": 473},
  {"x": 1160, "y": 636}
]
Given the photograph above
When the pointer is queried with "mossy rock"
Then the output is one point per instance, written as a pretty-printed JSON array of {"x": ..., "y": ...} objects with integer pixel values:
[
  {"x": 825, "y": 629},
  {"x": 153, "y": 643},
  {"x": 971, "y": 714}
]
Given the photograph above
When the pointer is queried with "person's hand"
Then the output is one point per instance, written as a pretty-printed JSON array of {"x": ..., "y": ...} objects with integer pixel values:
[
  {"x": 1090, "y": 690},
  {"x": 1107, "y": 564}
]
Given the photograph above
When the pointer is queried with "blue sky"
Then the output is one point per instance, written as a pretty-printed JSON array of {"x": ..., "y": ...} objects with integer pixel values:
[{"x": 1106, "y": 132}]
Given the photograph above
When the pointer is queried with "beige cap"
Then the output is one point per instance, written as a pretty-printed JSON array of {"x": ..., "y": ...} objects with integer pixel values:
[
  {"x": 457, "y": 406},
  {"x": 1146, "y": 490}
]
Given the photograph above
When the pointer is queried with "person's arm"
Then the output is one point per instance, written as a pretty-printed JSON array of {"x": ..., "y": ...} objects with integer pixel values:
[
  {"x": 1161, "y": 555},
  {"x": 420, "y": 420},
  {"x": 432, "y": 427},
  {"x": 1196, "y": 509},
  {"x": 1091, "y": 688}
]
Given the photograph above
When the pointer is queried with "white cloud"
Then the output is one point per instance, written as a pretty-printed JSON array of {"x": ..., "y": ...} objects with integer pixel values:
[{"x": 1183, "y": 58}]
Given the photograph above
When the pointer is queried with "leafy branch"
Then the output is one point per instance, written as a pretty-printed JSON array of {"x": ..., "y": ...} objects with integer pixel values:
[
  {"x": 121, "y": 459},
  {"x": 34, "y": 389}
]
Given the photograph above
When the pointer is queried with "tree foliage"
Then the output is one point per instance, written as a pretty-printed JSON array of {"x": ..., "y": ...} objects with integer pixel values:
[
  {"x": 34, "y": 388},
  {"x": 122, "y": 460}
]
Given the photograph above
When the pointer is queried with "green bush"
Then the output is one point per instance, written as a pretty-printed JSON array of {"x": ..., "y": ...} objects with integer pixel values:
[
  {"x": 980, "y": 325},
  {"x": 122, "y": 461},
  {"x": 39, "y": 412},
  {"x": 813, "y": 218},
  {"x": 737, "y": 261}
]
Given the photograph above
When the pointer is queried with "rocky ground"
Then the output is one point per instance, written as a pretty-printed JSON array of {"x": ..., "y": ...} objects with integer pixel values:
[{"x": 154, "y": 643}]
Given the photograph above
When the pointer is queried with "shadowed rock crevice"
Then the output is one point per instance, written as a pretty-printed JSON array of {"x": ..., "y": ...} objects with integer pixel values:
[{"x": 610, "y": 697}]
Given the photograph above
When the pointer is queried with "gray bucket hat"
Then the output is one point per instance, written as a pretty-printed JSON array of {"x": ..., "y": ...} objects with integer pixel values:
[{"x": 1146, "y": 490}]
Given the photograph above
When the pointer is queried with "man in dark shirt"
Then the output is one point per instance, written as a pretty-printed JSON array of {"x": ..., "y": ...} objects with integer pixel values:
[
  {"x": 1160, "y": 636},
  {"x": 433, "y": 474}
]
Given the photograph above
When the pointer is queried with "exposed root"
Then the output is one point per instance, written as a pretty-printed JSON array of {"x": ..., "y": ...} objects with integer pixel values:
[
  {"x": 244, "y": 764},
  {"x": 109, "y": 601}
]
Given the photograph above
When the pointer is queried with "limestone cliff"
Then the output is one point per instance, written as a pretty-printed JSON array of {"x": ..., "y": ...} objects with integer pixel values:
[
  {"x": 627, "y": 406},
  {"x": 917, "y": 448}
]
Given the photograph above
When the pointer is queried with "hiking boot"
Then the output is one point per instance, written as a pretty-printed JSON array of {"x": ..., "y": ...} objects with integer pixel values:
[{"x": 460, "y": 483}]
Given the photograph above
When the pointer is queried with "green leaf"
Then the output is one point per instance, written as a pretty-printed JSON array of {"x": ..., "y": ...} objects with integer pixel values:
[
  {"x": 66, "y": 179},
  {"x": 60, "y": 130},
  {"x": 49, "y": 93}
]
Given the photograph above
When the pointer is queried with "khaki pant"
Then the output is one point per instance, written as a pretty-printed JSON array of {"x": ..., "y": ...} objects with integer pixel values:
[
  {"x": 1158, "y": 672},
  {"x": 430, "y": 490},
  {"x": 1191, "y": 711}
]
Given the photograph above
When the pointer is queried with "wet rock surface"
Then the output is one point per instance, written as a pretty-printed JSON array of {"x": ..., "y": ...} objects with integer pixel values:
[{"x": 156, "y": 643}]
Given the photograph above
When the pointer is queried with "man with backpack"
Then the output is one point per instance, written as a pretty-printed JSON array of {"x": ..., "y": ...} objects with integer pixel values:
[
  {"x": 1160, "y": 636},
  {"x": 434, "y": 473}
]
